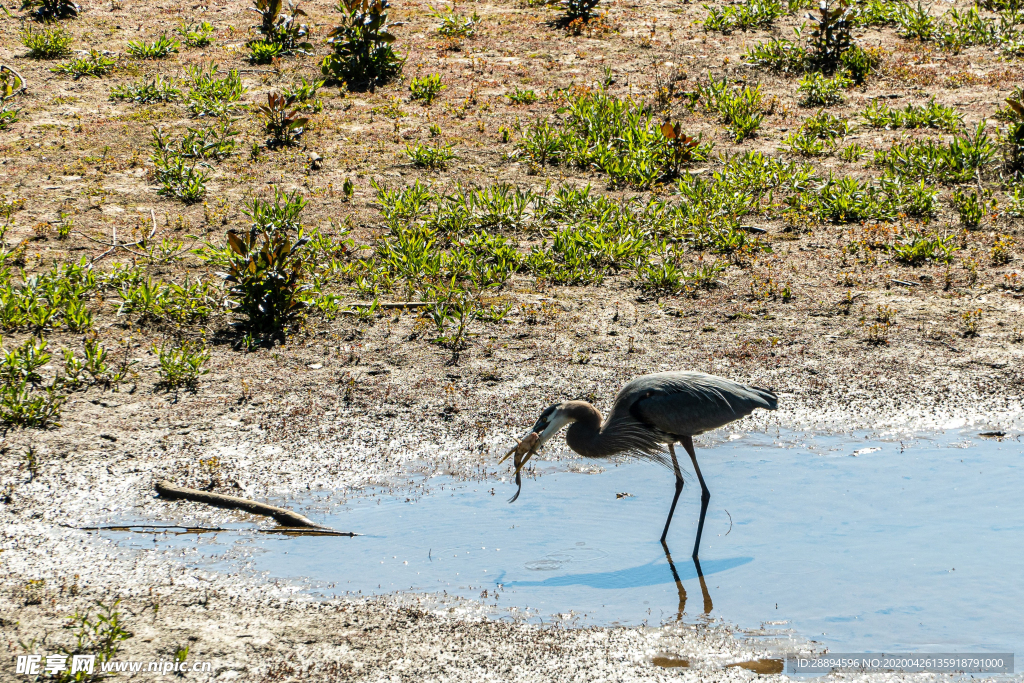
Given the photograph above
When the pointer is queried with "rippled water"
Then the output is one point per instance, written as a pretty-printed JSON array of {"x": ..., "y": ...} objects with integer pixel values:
[{"x": 861, "y": 544}]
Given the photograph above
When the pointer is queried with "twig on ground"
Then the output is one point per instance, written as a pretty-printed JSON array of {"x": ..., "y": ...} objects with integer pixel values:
[{"x": 114, "y": 246}]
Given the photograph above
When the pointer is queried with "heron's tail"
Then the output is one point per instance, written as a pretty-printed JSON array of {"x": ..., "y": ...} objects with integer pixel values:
[{"x": 769, "y": 400}]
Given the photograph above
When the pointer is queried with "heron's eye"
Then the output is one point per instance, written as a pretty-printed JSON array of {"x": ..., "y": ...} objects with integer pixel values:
[{"x": 548, "y": 412}]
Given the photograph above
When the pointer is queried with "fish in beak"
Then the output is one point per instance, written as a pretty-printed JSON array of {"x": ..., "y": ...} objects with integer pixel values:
[
  {"x": 526, "y": 447},
  {"x": 551, "y": 420}
]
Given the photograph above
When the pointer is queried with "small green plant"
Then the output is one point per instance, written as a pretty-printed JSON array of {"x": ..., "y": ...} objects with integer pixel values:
[
  {"x": 451, "y": 319},
  {"x": 177, "y": 170},
  {"x": 970, "y": 320},
  {"x": 11, "y": 85},
  {"x": 362, "y": 53},
  {"x": 65, "y": 223},
  {"x": 145, "y": 91},
  {"x": 265, "y": 265},
  {"x": 853, "y": 152},
  {"x": 24, "y": 408},
  {"x": 182, "y": 364},
  {"x": 285, "y": 127},
  {"x": 740, "y": 108},
  {"x": 194, "y": 34},
  {"x": 426, "y": 88},
  {"x": 95, "y": 65},
  {"x": 917, "y": 248},
  {"x": 8, "y": 116},
  {"x": 519, "y": 96},
  {"x": 100, "y": 636},
  {"x": 455, "y": 26},
  {"x": 672, "y": 278},
  {"x": 963, "y": 28},
  {"x": 21, "y": 403},
  {"x": 49, "y": 10},
  {"x": 778, "y": 55},
  {"x": 280, "y": 27},
  {"x": 804, "y": 144},
  {"x": 932, "y": 115},
  {"x": 878, "y": 333},
  {"x": 1013, "y": 140},
  {"x": 77, "y": 317},
  {"x": 573, "y": 10},
  {"x": 818, "y": 90},
  {"x": 1001, "y": 252},
  {"x": 265, "y": 51},
  {"x": 970, "y": 206},
  {"x": 681, "y": 145},
  {"x": 46, "y": 43},
  {"x": 876, "y": 13},
  {"x": 744, "y": 17},
  {"x": 600, "y": 131},
  {"x": 304, "y": 95},
  {"x": 957, "y": 161},
  {"x": 95, "y": 363},
  {"x": 160, "y": 48},
  {"x": 831, "y": 35},
  {"x": 818, "y": 135},
  {"x": 858, "y": 63},
  {"x": 21, "y": 364},
  {"x": 915, "y": 21},
  {"x": 424, "y": 156},
  {"x": 208, "y": 143},
  {"x": 210, "y": 95},
  {"x": 180, "y": 179},
  {"x": 281, "y": 215}
]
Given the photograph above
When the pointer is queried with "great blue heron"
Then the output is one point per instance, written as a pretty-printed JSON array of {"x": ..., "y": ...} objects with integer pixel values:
[{"x": 648, "y": 413}]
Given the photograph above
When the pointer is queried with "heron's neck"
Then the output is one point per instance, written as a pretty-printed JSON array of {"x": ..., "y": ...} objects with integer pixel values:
[{"x": 584, "y": 434}]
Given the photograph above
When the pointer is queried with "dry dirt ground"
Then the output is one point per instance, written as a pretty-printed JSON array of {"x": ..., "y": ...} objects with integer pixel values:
[{"x": 347, "y": 402}]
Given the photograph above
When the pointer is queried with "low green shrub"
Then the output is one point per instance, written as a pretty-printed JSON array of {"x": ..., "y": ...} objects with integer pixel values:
[{"x": 47, "y": 42}]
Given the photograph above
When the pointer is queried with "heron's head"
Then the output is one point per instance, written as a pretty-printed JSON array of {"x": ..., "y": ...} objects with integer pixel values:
[
  {"x": 551, "y": 421},
  {"x": 548, "y": 424}
]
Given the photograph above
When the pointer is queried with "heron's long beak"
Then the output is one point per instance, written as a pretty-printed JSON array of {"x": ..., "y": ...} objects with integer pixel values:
[
  {"x": 510, "y": 452},
  {"x": 548, "y": 427}
]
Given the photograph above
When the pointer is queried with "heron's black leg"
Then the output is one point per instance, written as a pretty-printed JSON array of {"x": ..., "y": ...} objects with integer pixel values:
[
  {"x": 679, "y": 583},
  {"x": 708, "y": 605},
  {"x": 679, "y": 489},
  {"x": 705, "y": 495}
]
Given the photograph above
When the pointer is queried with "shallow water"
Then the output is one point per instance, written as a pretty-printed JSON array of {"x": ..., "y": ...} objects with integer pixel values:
[{"x": 863, "y": 545}]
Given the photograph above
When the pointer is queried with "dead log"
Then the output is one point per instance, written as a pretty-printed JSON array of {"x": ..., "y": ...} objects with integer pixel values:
[{"x": 284, "y": 517}]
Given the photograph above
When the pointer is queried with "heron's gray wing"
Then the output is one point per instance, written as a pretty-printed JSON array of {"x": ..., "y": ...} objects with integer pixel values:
[{"x": 687, "y": 404}]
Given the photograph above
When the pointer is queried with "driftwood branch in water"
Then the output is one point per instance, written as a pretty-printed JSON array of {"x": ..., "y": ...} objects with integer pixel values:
[{"x": 284, "y": 517}]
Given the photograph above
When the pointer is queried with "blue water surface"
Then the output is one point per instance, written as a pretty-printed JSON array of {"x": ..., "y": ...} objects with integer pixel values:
[{"x": 861, "y": 544}]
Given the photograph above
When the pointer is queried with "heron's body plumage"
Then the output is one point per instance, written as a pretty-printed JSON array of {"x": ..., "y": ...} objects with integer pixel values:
[{"x": 656, "y": 410}]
